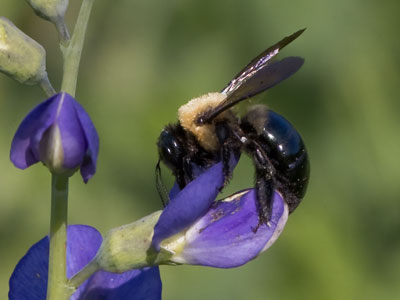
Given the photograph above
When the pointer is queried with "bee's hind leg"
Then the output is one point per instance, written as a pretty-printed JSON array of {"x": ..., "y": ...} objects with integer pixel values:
[{"x": 264, "y": 182}]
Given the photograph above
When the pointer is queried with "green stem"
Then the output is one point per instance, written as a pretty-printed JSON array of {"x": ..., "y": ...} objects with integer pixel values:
[
  {"x": 47, "y": 87},
  {"x": 72, "y": 53},
  {"x": 63, "y": 33},
  {"x": 57, "y": 288}
]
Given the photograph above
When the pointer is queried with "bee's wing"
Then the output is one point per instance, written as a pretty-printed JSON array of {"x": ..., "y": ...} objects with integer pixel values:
[
  {"x": 259, "y": 62},
  {"x": 262, "y": 80},
  {"x": 259, "y": 75}
]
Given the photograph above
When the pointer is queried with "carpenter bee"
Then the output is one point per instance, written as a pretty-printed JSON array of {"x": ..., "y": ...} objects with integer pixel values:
[{"x": 208, "y": 131}]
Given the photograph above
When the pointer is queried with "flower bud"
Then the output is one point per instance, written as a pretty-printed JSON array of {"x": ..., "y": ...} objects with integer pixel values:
[
  {"x": 21, "y": 57},
  {"x": 59, "y": 133},
  {"x": 127, "y": 247},
  {"x": 51, "y": 10}
]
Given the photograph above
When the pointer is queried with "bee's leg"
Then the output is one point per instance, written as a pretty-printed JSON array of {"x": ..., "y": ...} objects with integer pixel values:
[
  {"x": 264, "y": 188},
  {"x": 264, "y": 182},
  {"x": 226, "y": 154},
  {"x": 223, "y": 131},
  {"x": 186, "y": 172}
]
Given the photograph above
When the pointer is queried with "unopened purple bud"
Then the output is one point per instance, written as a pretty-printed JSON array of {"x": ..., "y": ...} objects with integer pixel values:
[{"x": 59, "y": 133}]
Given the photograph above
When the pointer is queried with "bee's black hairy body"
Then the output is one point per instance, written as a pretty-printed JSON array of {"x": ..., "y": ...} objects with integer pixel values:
[{"x": 209, "y": 132}]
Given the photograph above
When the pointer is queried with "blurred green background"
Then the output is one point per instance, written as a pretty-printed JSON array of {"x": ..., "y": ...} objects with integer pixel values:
[{"x": 143, "y": 59}]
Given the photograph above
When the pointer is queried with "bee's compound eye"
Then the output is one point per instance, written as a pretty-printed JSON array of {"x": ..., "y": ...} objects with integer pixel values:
[{"x": 170, "y": 149}]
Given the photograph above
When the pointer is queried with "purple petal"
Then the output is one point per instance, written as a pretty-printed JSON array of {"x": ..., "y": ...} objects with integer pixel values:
[
  {"x": 136, "y": 284},
  {"x": 82, "y": 246},
  {"x": 25, "y": 145},
  {"x": 189, "y": 204},
  {"x": 174, "y": 191},
  {"x": 72, "y": 135},
  {"x": 29, "y": 279},
  {"x": 225, "y": 237},
  {"x": 88, "y": 168}
]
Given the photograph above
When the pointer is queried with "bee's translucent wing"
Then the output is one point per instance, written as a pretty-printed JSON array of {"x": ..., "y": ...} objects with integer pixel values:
[
  {"x": 262, "y": 80},
  {"x": 259, "y": 75},
  {"x": 259, "y": 62}
]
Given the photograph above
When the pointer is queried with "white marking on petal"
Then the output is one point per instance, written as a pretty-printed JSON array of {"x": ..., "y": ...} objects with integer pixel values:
[
  {"x": 235, "y": 196},
  {"x": 279, "y": 228}
]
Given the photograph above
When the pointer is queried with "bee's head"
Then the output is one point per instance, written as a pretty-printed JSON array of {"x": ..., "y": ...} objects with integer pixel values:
[{"x": 171, "y": 149}]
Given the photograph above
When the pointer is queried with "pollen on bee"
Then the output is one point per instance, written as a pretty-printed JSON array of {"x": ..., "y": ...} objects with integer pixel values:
[{"x": 188, "y": 113}]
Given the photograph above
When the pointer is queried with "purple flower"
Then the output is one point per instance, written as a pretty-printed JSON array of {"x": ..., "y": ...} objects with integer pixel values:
[
  {"x": 194, "y": 229},
  {"x": 29, "y": 279},
  {"x": 189, "y": 204},
  {"x": 59, "y": 133}
]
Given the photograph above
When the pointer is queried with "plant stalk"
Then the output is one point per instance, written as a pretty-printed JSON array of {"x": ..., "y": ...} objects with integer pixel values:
[
  {"x": 57, "y": 276},
  {"x": 72, "y": 53}
]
